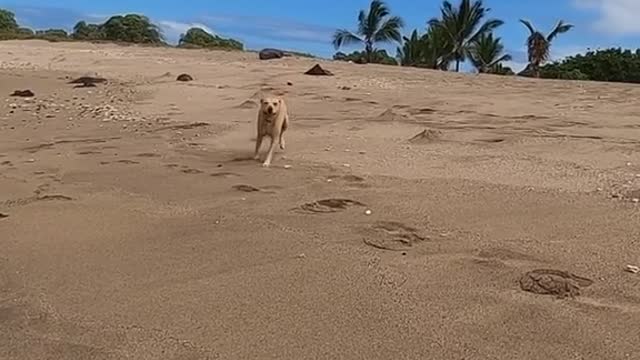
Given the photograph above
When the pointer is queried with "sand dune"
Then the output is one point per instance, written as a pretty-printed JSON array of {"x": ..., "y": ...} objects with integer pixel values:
[{"x": 132, "y": 225}]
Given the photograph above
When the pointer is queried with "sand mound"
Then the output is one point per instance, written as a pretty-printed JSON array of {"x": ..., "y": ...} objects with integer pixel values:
[{"x": 390, "y": 115}]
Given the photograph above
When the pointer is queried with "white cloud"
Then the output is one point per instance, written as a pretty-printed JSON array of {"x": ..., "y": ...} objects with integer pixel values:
[
  {"x": 173, "y": 29},
  {"x": 616, "y": 17}
]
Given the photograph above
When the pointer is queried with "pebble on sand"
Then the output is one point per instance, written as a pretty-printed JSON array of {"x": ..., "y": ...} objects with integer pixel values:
[
  {"x": 368, "y": 212},
  {"x": 287, "y": 166},
  {"x": 632, "y": 269}
]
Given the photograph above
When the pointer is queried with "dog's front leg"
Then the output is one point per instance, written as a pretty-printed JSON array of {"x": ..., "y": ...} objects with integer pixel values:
[
  {"x": 256, "y": 155},
  {"x": 272, "y": 149}
]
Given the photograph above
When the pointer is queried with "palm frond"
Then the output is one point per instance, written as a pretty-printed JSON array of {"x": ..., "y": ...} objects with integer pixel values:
[
  {"x": 528, "y": 25},
  {"x": 560, "y": 28},
  {"x": 389, "y": 30},
  {"x": 344, "y": 37}
]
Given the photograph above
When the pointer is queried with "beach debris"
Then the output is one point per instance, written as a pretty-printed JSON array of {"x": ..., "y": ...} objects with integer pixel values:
[
  {"x": 88, "y": 81},
  {"x": 23, "y": 93},
  {"x": 632, "y": 269},
  {"x": 344, "y": 88},
  {"x": 317, "y": 70},
  {"x": 329, "y": 205},
  {"x": 270, "y": 54},
  {"x": 427, "y": 135},
  {"x": 553, "y": 282},
  {"x": 184, "y": 77}
]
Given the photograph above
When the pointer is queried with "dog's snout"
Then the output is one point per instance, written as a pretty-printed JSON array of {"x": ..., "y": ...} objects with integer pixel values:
[{"x": 270, "y": 109}]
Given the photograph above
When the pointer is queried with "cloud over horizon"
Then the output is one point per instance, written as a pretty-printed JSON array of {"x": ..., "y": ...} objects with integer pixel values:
[{"x": 614, "y": 17}]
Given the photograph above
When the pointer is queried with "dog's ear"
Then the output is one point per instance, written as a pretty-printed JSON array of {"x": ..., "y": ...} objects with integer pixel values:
[{"x": 261, "y": 101}]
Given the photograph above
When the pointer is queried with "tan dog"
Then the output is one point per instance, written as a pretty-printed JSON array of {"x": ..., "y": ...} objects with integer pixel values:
[{"x": 273, "y": 121}]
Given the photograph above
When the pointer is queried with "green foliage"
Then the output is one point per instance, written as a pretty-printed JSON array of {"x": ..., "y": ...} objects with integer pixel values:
[
  {"x": 8, "y": 23},
  {"x": 463, "y": 26},
  {"x": 84, "y": 31},
  {"x": 614, "y": 65},
  {"x": 431, "y": 50},
  {"x": 361, "y": 57},
  {"x": 539, "y": 45},
  {"x": 23, "y": 31},
  {"x": 486, "y": 53},
  {"x": 374, "y": 27},
  {"x": 131, "y": 28},
  {"x": 52, "y": 34},
  {"x": 198, "y": 38}
]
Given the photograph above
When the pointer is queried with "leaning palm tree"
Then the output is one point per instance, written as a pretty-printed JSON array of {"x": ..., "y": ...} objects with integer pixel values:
[
  {"x": 539, "y": 46},
  {"x": 463, "y": 25},
  {"x": 374, "y": 26},
  {"x": 487, "y": 52}
]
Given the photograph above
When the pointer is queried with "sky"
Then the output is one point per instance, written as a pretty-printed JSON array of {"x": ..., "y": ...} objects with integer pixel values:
[{"x": 301, "y": 26}]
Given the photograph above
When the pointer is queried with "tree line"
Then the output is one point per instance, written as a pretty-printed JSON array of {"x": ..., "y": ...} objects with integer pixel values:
[
  {"x": 463, "y": 32},
  {"x": 130, "y": 28}
]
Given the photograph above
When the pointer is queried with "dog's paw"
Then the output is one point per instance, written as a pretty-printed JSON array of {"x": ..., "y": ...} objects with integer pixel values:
[
  {"x": 282, "y": 146},
  {"x": 266, "y": 164}
]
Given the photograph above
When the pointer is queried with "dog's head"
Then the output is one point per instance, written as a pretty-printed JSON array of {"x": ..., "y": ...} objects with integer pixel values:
[{"x": 270, "y": 106}]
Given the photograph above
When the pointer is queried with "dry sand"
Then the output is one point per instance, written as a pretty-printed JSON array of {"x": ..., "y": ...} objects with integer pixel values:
[{"x": 125, "y": 233}]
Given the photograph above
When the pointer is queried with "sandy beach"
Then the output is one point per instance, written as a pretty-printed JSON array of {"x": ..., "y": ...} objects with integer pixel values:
[{"x": 397, "y": 224}]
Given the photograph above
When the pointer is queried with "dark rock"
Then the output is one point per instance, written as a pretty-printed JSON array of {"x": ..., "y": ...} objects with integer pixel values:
[
  {"x": 23, "y": 93},
  {"x": 270, "y": 54},
  {"x": 184, "y": 77},
  {"x": 289, "y": 83},
  {"x": 317, "y": 70}
]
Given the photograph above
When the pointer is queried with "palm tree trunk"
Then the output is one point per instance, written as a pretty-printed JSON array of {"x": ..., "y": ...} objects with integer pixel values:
[{"x": 457, "y": 65}]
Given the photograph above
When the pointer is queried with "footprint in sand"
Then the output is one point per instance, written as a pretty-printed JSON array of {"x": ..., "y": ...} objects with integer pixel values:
[
  {"x": 394, "y": 236},
  {"x": 553, "y": 282},
  {"x": 128, "y": 162},
  {"x": 246, "y": 188},
  {"x": 224, "y": 174}
]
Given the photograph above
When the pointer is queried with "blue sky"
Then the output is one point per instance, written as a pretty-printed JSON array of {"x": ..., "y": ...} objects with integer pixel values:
[{"x": 298, "y": 25}]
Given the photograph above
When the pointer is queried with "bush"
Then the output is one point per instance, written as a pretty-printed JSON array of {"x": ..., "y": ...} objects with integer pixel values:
[
  {"x": 360, "y": 57},
  {"x": 198, "y": 38},
  {"x": 615, "y": 65}
]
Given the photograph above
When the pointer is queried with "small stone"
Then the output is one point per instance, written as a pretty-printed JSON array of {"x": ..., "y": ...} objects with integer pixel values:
[
  {"x": 329, "y": 180},
  {"x": 301, "y": 256},
  {"x": 289, "y": 83},
  {"x": 362, "y": 152},
  {"x": 346, "y": 165},
  {"x": 368, "y": 212},
  {"x": 31, "y": 160},
  {"x": 635, "y": 200},
  {"x": 287, "y": 166},
  {"x": 632, "y": 269}
]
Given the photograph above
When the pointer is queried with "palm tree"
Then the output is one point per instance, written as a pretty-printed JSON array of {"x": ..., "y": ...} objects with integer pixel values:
[
  {"x": 486, "y": 52},
  {"x": 375, "y": 26},
  {"x": 463, "y": 25},
  {"x": 411, "y": 52},
  {"x": 431, "y": 50},
  {"x": 538, "y": 45}
]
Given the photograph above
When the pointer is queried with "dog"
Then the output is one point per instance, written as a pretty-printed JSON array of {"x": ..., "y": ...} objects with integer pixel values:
[{"x": 273, "y": 121}]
